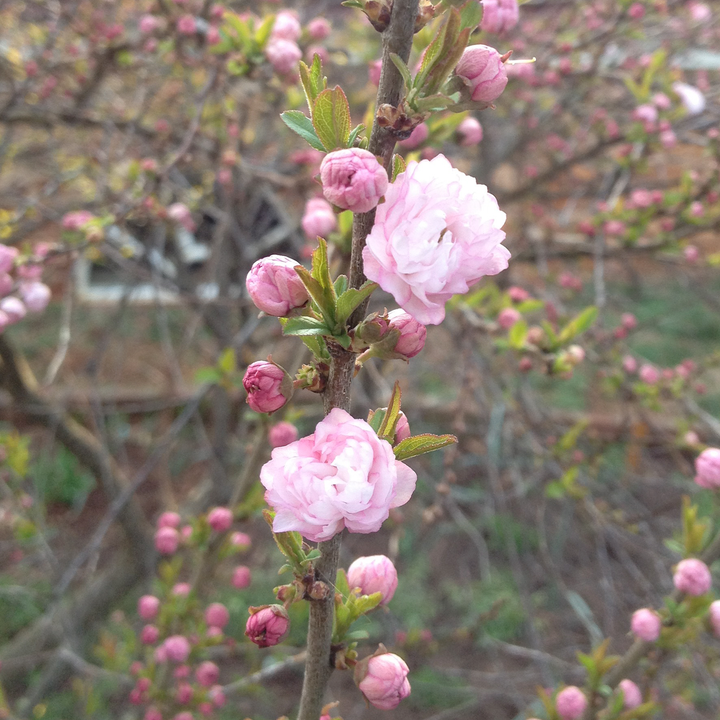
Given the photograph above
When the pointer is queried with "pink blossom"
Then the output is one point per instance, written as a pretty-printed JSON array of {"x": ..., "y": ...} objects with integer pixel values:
[
  {"x": 35, "y": 295},
  {"x": 630, "y": 364},
  {"x": 242, "y": 577},
  {"x": 615, "y": 228},
  {"x": 662, "y": 101},
  {"x": 469, "y": 132},
  {"x": 402, "y": 428},
  {"x": 184, "y": 693},
  {"x": 649, "y": 374},
  {"x": 207, "y": 673},
  {"x": 353, "y": 179},
  {"x": 148, "y": 607},
  {"x": 645, "y": 113},
  {"x": 186, "y": 25},
  {"x": 7, "y": 257},
  {"x": 180, "y": 213},
  {"x": 166, "y": 540},
  {"x": 518, "y": 294},
  {"x": 499, "y": 16},
  {"x": 668, "y": 139},
  {"x": 184, "y": 715},
  {"x": 692, "y": 577},
  {"x": 483, "y": 72},
  {"x": 417, "y": 137},
  {"x": 696, "y": 209},
  {"x": 282, "y": 433},
  {"x": 342, "y": 475},
  {"x": 153, "y": 714},
  {"x": 268, "y": 625},
  {"x": 714, "y": 617},
  {"x": 213, "y": 36},
  {"x": 72, "y": 221},
  {"x": 169, "y": 519},
  {"x": 455, "y": 226},
  {"x": 374, "y": 573},
  {"x": 220, "y": 519},
  {"x": 699, "y": 12},
  {"x": 268, "y": 386},
  {"x": 412, "y": 333},
  {"x": 693, "y": 100},
  {"x": 707, "y": 468},
  {"x": 641, "y": 198},
  {"x": 217, "y": 696},
  {"x": 632, "y": 697},
  {"x": 629, "y": 321},
  {"x": 570, "y": 703},
  {"x": 6, "y": 284},
  {"x": 275, "y": 287},
  {"x": 217, "y": 615},
  {"x": 286, "y": 26},
  {"x": 508, "y": 317},
  {"x": 148, "y": 24},
  {"x": 181, "y": 589},
  {"x": 283, "y": 55},
  {"x": 177, "y": 648},
  {"x": 384, "y": 683},
  {"x": 636, "y": 11},
  {"x": 149, "y": 635},
  {"x": 240, "y": 540},
  {"x": 646, "y": 625},
  {"x": 319, "y": 218},
  {"x": 318, "y": 28}
]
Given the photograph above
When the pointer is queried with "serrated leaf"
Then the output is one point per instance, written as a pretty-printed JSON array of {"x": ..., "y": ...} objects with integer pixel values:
[
  {"x": 312, "y": 80},
  {"x": 375, "y": 418},
  {"x": 305, "y": 326},
  {"x": 324, "y": 299},
  {"x": 331, "y": 118},
  {"x": 302, "y": 125},
  {"x": 399, "y": 166},
  {"x": 340, "y": 285},
  {"x": 578, "y": 325},
  {"x": 351, "y": 299},
  {"x": 420, "y": 444}
]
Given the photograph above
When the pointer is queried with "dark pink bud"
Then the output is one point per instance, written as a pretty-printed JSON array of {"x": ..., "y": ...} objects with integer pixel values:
[
  {"x": 186, "y": 25},
  {"x": 412, "y": 333},
  {"x": 184, "y": 693},
  {"x": 217, "y": 696},
  {"x": 217, "y": 615},
  {"x": 484, "y": 73},
  {"x": 166, "y": 540},
  {"x": 220, "y": 519},
  {"x": 282, "y": 433},
  {"x": 149, "y": 635},
  {"x": 275, "y": 287},
  {"x": 374, "y": 573},
  {"x": 268, "y": 386},
  {"x": 148, "y": 607},
  {"x": 207, "y": 674},
  {"x": 267, "y": 625}
]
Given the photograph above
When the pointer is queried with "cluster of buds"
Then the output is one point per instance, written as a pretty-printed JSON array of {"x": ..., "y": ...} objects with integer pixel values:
[{"x": 20, "y": 288}]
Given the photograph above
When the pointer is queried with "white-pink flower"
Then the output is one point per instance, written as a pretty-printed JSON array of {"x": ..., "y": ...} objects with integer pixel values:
[
  {"x": 437, "y": 234},
  {"x": 341, "y": 476}
]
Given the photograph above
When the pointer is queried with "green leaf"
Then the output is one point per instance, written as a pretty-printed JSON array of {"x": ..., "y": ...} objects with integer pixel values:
[
  {"x": 340, "y": 285},
  {"x": 375, "y": 418},
  {"x": 305, "y": 326},
  {"x": 331, "y": 118},
  {"x": 207, "y": 375},
  {"x": 226, "y": 362},
  {"x": 354, "y": 134},
  {"x": 578, "y": 325},
  {"x": 341, "y": 583},
  {"x": 262, "y": 34},
  {"x": 321, "y": 273},
  {"x": 471, "y": 15},
  {"x": 399, "y": 166},
  {"x": 403, "y": 69},
  {"x": 366, "y": 603},
  {"x": 392, "y": 414},
  {"x": 312, "y": 80},
  {"x": 517, "y": 334},
  {"x": 325, "y": 304},
  {"x": 352, "y": 298},
  {"x": 530, "y": 306},
  {"x": 555, "y": 490},
  {"x": 302, "y": 125},
  {"x": 241, "y": 28},
  {"x": 356, "y": 635},
  {"x": 420, "y": 444}
]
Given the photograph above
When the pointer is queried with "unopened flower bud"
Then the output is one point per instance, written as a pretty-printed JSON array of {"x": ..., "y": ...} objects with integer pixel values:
[
  {"x": 283, "y": 55},
  {"x": 148, "y": 607},
  {"x": 286, "y": 26},
  {"x": 35, "y": 295},
  {"x": 268, "y": 386},
  {"x": 220, "y": 519},
  {"x": 166, "y": 540},
  {"x": 319, "y": 218},
  {"x": 149, "y": 635},
  {"x": 378, "y": 13},
  {"x": 374, "y": 573},
  {"x": 707, "y": 468},
  {"x": 207, "y": 673},
  {"x": 570, "y": 703},
  {"x": 282, "y": 433},
  {"x": 499, "y": 16},
  {"x": 649, "y": 374},
  {"x": 508, "y": 317},
  {"x": 13, "y": 308},
  {"x": 714, "y": 617},
  {"x": 318, "y": 28},
  {"x": 382, "y": 679},
  {"x": 483, "y": 72},
  {"x": 312, "y": 377},
  {"x": 217, "y": 615},
  {"x": 186, "y": 25},
  {"x": 469, "y": 132},
  {"x": 275, "y": 287},
  {"x": 692, "y": 576},
  {"x": 353, "y": 179},
  {"x": 267, "y": 625},
  {"x": 632, "y": 697},
  {"x": 177, "y": 648},
  {"x": 242, "y": 577},
  {"x": 417, "y": 137},
  {"x": 240, "y": 540},
  {"x": 169, "y": 519},
  {"x": 412, "y": 333},
  {"x": 402, "y": 428},
  {"x": 646, "y": 625}
]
